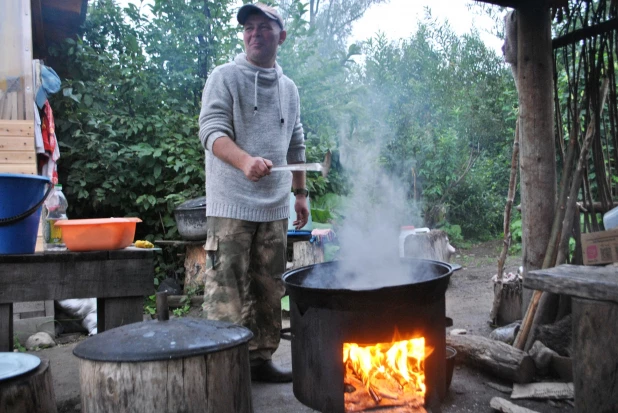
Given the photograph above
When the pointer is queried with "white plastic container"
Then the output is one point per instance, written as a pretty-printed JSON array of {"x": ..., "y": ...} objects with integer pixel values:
[
  {"x": 404, "y": 232},
  {"x": 610, "y": 219}
]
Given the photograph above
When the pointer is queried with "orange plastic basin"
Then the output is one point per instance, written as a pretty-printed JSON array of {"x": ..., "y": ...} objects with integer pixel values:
[{"x": 98, "y": 234}]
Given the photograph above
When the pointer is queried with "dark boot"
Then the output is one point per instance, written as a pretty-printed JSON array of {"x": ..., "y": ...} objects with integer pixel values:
[{"x": 269, "y": 373}]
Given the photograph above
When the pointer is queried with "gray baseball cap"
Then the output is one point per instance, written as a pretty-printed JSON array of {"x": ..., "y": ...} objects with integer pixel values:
[{"x": 259, "y": 8}]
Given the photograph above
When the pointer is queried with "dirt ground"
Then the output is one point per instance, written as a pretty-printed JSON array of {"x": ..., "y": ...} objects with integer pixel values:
[{"x": 468, "y": 302}]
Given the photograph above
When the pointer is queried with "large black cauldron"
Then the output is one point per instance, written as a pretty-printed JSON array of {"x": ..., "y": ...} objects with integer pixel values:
[{"x": 324, "y": 314}]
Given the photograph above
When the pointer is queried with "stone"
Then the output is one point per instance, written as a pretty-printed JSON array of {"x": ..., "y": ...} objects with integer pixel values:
[{"x": 40, "y": 340}]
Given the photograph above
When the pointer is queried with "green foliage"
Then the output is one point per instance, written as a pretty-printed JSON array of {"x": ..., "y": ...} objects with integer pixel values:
[
  {"x": 127, "y": 116},
  {"x": 127, "y": 120},
  {"x": 516, "y": 235},
  {"x": 150, "y": 305},
  {"x": 446, "y": 104},
  {"x": 454, "y": 234},
  {"x": 184, "y": 309},
  {"x": 18, "y": 346}
]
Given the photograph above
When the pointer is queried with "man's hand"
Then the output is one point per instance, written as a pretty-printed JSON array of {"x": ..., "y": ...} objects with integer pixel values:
[
  {"x": 302, "y": 212},
  {"x": 255, "y": 168}
]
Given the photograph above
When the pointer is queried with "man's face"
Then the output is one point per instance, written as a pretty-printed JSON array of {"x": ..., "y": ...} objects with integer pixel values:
[{"x": 262, "y": 37}]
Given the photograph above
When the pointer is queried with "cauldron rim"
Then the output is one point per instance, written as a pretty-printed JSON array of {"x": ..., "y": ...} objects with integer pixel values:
[{"x": 440, "y": 264}]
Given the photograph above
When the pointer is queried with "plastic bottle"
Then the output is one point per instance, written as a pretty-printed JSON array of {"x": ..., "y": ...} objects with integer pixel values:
[
  {"x": 403, "y": 234},
  {"x": 610, "y": 219},
  {"x": 56, "y": 207}
]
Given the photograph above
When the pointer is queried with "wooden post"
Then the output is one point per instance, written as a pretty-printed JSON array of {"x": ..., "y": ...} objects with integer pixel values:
[
  {"x": 595, "y": 355},
  {"x": 537, "y": 150}
]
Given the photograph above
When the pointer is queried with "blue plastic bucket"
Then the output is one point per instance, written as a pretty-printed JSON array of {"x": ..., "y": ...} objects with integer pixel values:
[{"x": 19, "y": 194}]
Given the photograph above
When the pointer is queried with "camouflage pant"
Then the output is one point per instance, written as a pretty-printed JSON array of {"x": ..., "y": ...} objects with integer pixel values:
[{"x": 242, "y": 284}]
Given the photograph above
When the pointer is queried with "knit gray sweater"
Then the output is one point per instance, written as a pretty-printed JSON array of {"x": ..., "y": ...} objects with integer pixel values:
[{"x": 259, "y": 109}]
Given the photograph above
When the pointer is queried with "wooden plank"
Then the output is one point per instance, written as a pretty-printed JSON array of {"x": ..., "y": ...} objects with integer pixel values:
[
  {"x": 505, "y": 406},
  {"x": 116, "y": 312},
  {"x": 16, "y": 127},
  {"x": 18, "y": 169},
  {"x": 28, "y": 307},
  {"x": 16, "y": 143},
  {"x": 6, "y": 327},
  {"x": 27, "y": 94},
  {"x": 71, "y": 275},
  {"x": 39, "y": 46},
  {"x": 19, "y": 157},
  {"x": 595, "y": 283},
  {"x": 64, "y": 6},
  {"x": 520, "y": 3}
]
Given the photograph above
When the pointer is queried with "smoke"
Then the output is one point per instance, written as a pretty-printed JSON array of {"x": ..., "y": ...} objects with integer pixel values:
[{"x": 373, "y": 214}]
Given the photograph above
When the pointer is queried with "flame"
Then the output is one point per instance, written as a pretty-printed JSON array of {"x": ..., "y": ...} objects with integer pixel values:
[{"x": 393, "y": 372}]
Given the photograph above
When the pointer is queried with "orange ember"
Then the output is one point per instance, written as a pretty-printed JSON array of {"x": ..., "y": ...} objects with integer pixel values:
[{"x": 385, "y": 375}]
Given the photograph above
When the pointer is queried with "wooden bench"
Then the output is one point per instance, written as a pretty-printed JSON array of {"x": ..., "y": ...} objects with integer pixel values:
[
  {"x": 119, "y": 280},
  {"x": 594, "y": 292}
]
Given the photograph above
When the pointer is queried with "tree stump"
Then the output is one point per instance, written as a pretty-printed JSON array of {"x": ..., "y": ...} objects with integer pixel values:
[
  {"x": 195, "y": 267},
  {"x": 510, "y": 303},
  {"x": 212, "y": 383},
  {"x": 432, "y": 245},
  {"x": 32, "y": 392},
  {"x": 307, "y": 253}
]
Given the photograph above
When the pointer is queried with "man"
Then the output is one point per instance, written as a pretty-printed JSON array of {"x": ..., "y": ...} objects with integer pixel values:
[{"x": 250, "y": 121}]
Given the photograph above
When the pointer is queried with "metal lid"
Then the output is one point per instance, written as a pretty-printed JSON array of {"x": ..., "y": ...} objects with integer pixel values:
[
  {"x": 16, "y": 364},
  {"x": 196, "y": 203},
  {"x": 162, "y": 340}
]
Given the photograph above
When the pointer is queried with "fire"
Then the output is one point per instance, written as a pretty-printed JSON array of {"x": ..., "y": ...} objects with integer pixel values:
[{"x": 390, "y": 374}]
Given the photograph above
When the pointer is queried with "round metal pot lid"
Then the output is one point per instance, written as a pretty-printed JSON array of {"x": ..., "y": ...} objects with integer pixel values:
[
  {"x": 16, "y": 364},
  {"x": 196, "y": 203},
  {"x": 162, "y": 340}
]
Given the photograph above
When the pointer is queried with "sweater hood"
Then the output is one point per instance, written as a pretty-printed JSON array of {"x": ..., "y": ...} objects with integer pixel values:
[{"x": 271, "y": 75}]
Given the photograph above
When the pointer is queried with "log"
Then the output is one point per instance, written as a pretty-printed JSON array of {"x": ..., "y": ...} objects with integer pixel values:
[
  {"x": 506, "y": 406},
  {"x": 212, "y": 383},
  {"x": 494, "y": 357},
  {"x": 28, "y": 393}
]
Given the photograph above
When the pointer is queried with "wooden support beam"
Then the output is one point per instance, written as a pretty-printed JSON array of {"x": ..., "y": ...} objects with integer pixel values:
[
  {"x": 38, "y": 30},
  {"x": 515, "y": 4},
  {"x": 580, "y": 34},
  {"x": 536, "y": 128}
]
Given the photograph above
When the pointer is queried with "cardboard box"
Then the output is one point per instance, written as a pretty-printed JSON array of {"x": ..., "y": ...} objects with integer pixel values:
[{"x": 600, "y": 247}]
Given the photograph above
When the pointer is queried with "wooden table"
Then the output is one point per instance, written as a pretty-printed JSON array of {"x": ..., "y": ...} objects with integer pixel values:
[
  {"x": 594, "y": 292},
  {"x": 119, "y": 280}
]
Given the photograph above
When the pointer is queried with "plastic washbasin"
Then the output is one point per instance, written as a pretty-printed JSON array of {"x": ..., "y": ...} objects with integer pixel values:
[{"x": 98, "y": 234}]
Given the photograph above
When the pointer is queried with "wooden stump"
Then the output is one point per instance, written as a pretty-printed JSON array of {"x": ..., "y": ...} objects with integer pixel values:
[
  {"x": 595, "y": 355},
  {"x": 432, "y": 245},
  {"x": 510, "y": 303},
  {"x": 212, "y": 383},
  {"x": 195, "y": 267},
  {"x": 32, "y": 392},
  {"x": 307, "y": 253}
]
